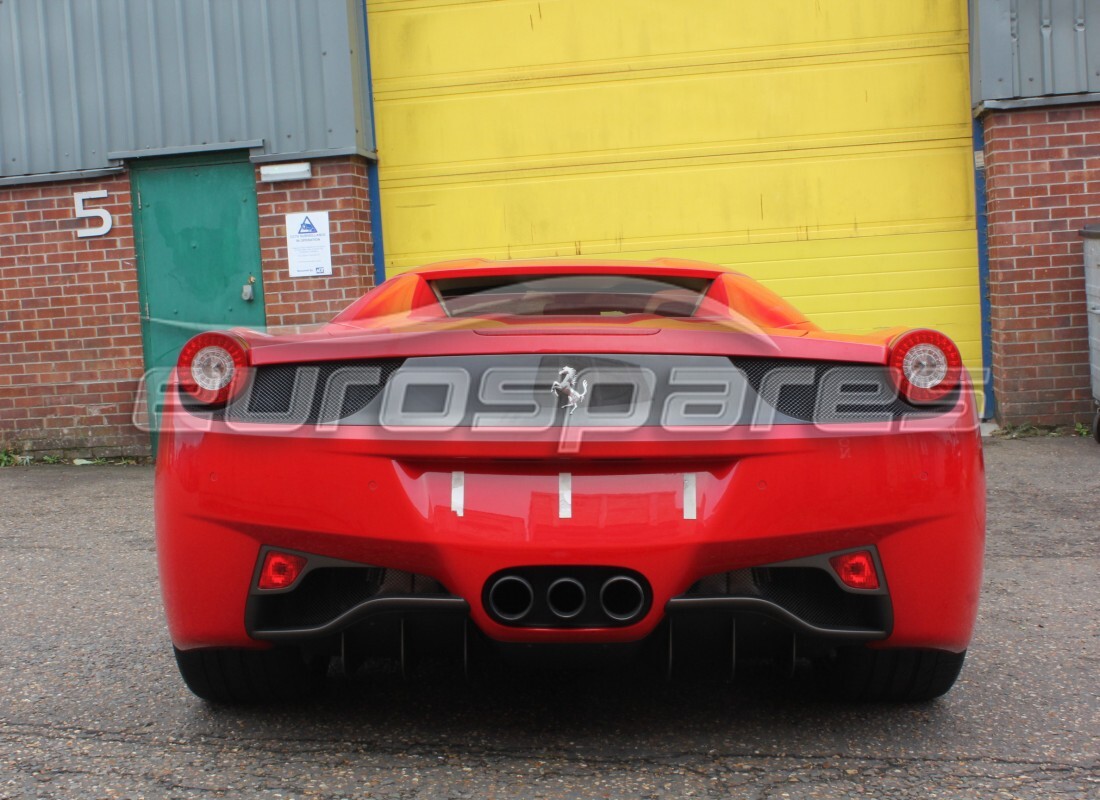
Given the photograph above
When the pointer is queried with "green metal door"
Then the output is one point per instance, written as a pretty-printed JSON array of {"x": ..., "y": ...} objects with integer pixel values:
[{"x": 197, "y": 237}]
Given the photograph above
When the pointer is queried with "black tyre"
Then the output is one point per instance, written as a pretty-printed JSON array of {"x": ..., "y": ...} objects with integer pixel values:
[
  {"x": 859, "y": 673},
  {"x": 1096, "y": 427},
  {"x": 239, "y": 677}
]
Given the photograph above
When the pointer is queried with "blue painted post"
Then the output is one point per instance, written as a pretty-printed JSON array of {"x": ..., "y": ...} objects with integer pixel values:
[
  {"x": 373, "y": 190},
  {"x": 990, "y": 407}
]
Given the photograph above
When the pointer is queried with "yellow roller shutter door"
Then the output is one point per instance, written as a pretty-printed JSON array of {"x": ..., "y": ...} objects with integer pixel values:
[{"x": 822, "y": 147}]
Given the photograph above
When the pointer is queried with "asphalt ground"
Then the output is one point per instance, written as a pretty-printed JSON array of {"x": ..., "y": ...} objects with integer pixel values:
[{"x": 91, "y": 705}]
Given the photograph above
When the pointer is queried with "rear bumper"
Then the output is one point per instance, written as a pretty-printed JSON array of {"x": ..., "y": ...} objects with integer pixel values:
[
  {"x": 332, "y": 597},
  {"x": 916, "y": 496}
]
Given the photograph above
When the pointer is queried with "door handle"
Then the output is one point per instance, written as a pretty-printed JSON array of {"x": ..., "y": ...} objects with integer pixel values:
[{"x": 248, "y": 293}]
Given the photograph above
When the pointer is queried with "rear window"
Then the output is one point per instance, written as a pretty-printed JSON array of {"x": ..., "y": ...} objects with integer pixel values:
[{"x": 571, "y": 295}]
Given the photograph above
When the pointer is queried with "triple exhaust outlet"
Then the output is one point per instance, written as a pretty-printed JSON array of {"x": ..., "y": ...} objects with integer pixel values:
[{"x": 581, "y": 597}]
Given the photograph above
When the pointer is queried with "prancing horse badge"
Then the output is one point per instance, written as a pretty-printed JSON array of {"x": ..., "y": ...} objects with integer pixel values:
[{"x": 565, "y": 387}]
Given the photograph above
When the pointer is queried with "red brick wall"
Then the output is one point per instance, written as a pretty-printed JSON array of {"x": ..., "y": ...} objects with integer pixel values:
[
  {"x": 339, "y": 186},
  {"x": 70, "y": 337},
  {"x": 1043, "y": 184},
  {"x": 70, "y": 346}
]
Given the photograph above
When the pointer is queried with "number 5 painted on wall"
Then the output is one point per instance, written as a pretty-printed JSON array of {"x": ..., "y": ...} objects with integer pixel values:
[{"x": 88, "y": 213}]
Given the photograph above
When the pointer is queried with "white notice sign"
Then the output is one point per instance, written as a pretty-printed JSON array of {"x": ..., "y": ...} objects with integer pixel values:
[{"x": 308, "y": 249}]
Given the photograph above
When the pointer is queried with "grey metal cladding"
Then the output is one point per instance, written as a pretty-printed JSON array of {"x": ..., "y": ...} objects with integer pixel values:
[
  {"x": 1034, "y": 48},
  {"x": 84, "y": 79}
]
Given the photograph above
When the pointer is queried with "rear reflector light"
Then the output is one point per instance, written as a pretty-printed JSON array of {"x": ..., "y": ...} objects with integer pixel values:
[
  {"x": 212, "y": 367},
  {"x": 926, "y": 365},
  {"x": 856, "y": 570},
  {"x": 280, "y": 570}
]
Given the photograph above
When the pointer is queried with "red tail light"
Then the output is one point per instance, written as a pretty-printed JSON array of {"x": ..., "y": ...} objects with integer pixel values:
[
  {"x": 212, "y": 367},
  {"x": 856, "y": 569},
  {"x": 280, "y": 570},
  {"x": 926, "y": 365}
]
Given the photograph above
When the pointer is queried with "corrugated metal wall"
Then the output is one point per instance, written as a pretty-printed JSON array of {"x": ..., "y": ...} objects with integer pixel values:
[
  {"x": 1033, "y": 48},
  {"x": 82, "y": 79},
  {"x": 823, "y": 147}
]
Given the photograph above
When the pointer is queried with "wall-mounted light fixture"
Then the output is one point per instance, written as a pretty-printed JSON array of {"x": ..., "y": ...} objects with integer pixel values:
[{"x": 297, "y": 171}]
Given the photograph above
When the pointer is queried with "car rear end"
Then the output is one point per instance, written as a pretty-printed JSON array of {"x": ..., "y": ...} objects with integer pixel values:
[{"x": 715, "y": 492}]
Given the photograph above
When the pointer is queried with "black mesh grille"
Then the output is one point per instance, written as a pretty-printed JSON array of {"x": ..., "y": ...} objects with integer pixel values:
[
  {"x": 807, "y": 592},
  {"x": 779, "y": 390},
  {"x": 826, "y": 391},
  {"x": 296, "y": 392}
]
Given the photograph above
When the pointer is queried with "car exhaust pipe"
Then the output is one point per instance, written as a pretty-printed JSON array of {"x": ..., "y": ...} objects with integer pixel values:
[
  {"x": 566, "y": 598},
  {"x": 622, "y": 598},
  {"x": 511, "y": 598}
]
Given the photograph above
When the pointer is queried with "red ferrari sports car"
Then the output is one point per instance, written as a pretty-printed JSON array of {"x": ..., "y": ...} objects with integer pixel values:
[{"x": 567, "y": 458}]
